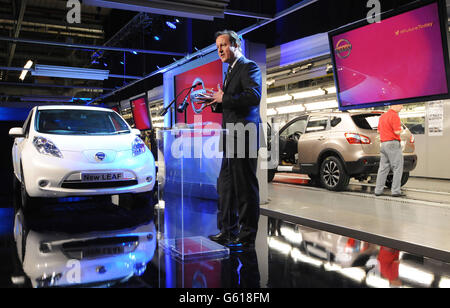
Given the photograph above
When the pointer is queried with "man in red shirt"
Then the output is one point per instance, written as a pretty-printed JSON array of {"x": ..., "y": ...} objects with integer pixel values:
[
  {"x": 388, "y": 259},
  {"x": 391, "y": 153}
]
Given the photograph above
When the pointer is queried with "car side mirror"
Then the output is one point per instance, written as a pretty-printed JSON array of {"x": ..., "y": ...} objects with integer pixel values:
[
  {"x": 16, "y": 132},
  {"x": 136, "y": 131}
]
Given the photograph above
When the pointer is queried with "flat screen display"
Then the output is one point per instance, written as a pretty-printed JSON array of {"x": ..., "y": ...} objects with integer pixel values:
[
  {"x": 208, "y": 76},
  {"x": 140, "y": 113},
  {"x": 401, "y": 59}
]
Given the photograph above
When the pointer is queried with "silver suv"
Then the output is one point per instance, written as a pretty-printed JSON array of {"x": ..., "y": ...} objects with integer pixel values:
[{"x": 332, "y": 147}]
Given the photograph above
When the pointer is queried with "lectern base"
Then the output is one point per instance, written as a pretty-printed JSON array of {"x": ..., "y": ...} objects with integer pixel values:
[{"x": 194, "y": 248}]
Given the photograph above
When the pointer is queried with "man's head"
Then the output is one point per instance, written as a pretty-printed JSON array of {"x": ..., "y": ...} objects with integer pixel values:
[
  {"x": 228, "y": 45},
  {"x": 397, "y": 108}
]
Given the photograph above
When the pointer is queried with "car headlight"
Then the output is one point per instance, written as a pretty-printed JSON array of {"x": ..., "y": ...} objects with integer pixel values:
[
  {"x": 138, "y": 146},
  {"x": 47, "y": 147}
]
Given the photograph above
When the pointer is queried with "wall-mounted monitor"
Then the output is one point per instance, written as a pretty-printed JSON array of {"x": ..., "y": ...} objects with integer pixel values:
[
  {"x": 401, "y": 59},
  {"x": 141, "y": 113}
]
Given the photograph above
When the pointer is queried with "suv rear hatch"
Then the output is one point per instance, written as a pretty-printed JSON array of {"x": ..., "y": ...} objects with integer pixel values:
[{"x": 367, "y": 124}]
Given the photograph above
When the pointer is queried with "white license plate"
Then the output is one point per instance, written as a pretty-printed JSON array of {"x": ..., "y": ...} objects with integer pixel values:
[
  {"x": 102, "y": 251},
  {"x": 102, "y": 177}
]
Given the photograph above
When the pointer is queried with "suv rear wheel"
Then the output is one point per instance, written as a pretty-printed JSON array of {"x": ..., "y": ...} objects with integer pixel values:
[
  {"x": 405, "y": 178},
  {"x": 270, "y": 175},
  {"x": 333, "y": 175}
]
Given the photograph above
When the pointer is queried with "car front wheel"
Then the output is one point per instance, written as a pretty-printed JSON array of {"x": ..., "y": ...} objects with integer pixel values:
[
  {"x": 333, "y": 175},
  {"x": 17, "y": 193},
  {"x": 26, "y": 200}
]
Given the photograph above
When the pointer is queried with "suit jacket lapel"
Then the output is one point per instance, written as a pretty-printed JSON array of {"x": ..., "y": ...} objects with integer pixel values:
[{"x": 233, "y": 72}]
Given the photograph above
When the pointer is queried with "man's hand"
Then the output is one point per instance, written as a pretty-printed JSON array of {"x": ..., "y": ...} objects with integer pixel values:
[
  {"x": 218, "y": 95},
  {"x": 215, "y": 98}
]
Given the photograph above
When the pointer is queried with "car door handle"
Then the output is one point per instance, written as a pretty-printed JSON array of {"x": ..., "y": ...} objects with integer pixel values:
[{"x": 321, "y": 138}]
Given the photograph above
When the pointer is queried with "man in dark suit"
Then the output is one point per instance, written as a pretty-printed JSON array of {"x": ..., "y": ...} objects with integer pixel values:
[{"x": 237, "y": 185}]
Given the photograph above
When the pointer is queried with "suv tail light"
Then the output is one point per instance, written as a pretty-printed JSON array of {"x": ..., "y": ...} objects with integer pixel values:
[
  {"x": 354, "y": 138},
  {"x": 355, "y": 246},
  {"x": 412, "y": 139}
]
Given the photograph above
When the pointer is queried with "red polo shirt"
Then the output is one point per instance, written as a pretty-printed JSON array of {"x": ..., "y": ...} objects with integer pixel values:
[
  {"x": 389, "y": 122},
  {"x": 389, "y": 263}
]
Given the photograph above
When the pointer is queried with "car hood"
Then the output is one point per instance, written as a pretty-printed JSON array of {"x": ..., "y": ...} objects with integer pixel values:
[{"x": 82, "y": 143}]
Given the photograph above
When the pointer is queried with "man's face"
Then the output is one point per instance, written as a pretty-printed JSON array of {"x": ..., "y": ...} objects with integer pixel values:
[{"x": 226, "y": 51}]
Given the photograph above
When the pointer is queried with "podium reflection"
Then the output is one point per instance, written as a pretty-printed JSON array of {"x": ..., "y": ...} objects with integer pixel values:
[{"x": 239, "y": 270}]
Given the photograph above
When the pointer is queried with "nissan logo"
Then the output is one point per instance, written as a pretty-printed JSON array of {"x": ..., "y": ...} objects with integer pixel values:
[
  {"x": 100, "y": 156},
  {"x": 343, "y": 48}
]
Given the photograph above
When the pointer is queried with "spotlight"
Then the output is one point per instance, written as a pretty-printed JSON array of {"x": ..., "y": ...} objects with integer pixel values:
[
  {"x": 171, "y": 25},
  {"x": 134, "y": 52},
  {"x": 156, "y": 38}
]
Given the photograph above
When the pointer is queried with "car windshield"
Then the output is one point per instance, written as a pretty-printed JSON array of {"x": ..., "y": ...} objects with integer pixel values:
[{"x": 80, "y": 122}]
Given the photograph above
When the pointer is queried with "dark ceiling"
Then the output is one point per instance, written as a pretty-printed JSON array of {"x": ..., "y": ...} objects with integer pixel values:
[{"x": 134, "y": 24}]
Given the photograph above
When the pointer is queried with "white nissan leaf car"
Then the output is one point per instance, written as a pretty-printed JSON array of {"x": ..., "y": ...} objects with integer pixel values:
[{"x": 64, "y": 151}]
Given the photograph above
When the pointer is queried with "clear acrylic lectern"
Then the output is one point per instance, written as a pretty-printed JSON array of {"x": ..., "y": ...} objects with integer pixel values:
[{"x": 189, "y": 162}]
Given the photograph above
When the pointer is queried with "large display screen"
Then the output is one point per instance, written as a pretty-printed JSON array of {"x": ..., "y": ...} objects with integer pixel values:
[
  {"x": 140, "y": 113},
  {"x": 207, "y": 76},
  {"x": 401, "y": 59}
]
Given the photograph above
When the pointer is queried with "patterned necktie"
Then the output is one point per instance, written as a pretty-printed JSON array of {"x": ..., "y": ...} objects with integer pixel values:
[{"x": 227, "y": 75}]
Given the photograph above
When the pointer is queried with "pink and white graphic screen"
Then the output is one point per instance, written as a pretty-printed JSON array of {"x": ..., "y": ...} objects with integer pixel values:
[{"x": 399, "y": 58}]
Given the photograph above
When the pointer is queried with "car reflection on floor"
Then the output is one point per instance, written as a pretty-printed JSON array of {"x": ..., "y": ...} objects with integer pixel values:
[{"x": 83, "y": 244}]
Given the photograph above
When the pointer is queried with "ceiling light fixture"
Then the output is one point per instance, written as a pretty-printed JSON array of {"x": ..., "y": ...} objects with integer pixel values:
[
  {"x": 301, "y": 95},
  {"x": 322, "y": 105},
  {"x": 53, "y": 99},
  {"x": 69, "y": 72},
  {"x": 290, "y": 109},
  {"x": 306, "y": 94},
  {"x": 270, "y": 82},
  {"x": 330, "y": 90},
  {"x": 278, "y": 99},
  {"x": 171, "y": 25},
  {"x": 26, "y": 69}
]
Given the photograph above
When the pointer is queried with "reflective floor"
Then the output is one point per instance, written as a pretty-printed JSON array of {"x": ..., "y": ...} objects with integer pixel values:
[
  {"x": 409, "y": 223},
  {"x": 96, "y": 243},
  {"x": 435, "y": 192}
]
